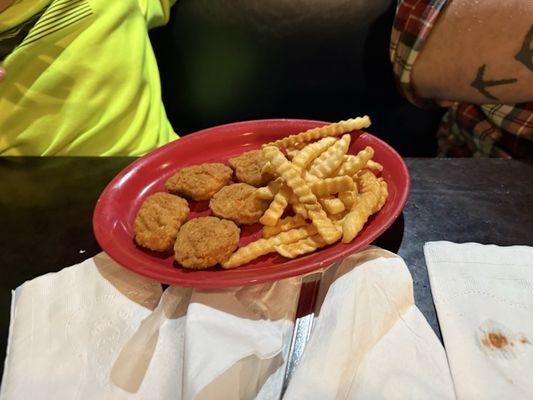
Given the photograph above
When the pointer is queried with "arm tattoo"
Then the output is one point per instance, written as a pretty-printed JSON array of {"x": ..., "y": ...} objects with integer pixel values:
[
  {"x": 525, "y": 55},
  {"x": 481, "y": 84}
]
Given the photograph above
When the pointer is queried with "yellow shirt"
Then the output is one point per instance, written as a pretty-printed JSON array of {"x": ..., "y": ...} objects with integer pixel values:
[{"x": 84, "y": 81}]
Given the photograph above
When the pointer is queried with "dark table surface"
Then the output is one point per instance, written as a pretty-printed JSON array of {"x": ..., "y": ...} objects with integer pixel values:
[{"x": 46, "y": 207}]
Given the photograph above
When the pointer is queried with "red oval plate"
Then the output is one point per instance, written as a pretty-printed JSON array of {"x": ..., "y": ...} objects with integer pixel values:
[{"x": 118, "y": 204}]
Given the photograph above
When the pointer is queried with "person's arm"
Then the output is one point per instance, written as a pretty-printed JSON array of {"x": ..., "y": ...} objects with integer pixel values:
[{"x": 478, "y": 52}]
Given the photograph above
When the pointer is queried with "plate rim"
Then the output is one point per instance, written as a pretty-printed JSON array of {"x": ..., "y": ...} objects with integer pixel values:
[{"x": 100, "y": 235}]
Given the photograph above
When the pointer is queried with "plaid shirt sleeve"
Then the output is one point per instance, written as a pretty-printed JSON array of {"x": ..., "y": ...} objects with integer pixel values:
[
  {"x": 412, "y": 26},
  {"x": 488, "y": 130}
]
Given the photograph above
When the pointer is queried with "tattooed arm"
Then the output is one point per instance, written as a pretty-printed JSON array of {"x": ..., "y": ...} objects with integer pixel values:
[{"x": 479, "y": 52}]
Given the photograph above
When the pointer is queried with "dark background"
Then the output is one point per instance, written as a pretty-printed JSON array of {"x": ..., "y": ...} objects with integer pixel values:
[{"x": 226, "y": 61}]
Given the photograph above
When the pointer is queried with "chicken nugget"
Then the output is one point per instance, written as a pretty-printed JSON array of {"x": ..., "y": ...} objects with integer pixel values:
[
  {"x": 158, "y": 221},
  {"x": 199, "y": 182},
  {"x": 238, "y": 203},
  {"x": 249, "y": 168},
  {"x": 206, "y": 241}
]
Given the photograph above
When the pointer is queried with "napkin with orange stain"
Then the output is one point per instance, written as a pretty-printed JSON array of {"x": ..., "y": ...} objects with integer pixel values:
[{"x": 484, "y": 300}]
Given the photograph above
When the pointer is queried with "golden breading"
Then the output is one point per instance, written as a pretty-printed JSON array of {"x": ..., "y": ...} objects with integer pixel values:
[
  {"x": 250, "y": 168},
  {"x": 199, "y": 182},
  {"x": 158, "y": 221},
  {"x": 238, "y": 203},
  {"x": 206, "y": 241}
]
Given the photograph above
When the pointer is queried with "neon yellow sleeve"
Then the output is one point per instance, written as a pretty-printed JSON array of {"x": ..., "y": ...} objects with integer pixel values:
[{"x": 156, "y": 12}]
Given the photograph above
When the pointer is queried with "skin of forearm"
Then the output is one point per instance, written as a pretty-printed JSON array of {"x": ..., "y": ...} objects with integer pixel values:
[{"x": 479, "y": 51}]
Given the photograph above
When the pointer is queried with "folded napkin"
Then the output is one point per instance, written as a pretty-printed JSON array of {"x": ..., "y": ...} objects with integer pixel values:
[
  {"x": 484, "y": 300},
  {"x": 98, "y": 331},
  {"x": 369, "y": 340}
]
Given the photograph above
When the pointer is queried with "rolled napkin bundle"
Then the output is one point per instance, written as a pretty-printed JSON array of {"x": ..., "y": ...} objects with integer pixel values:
[
  {"x": 68, "y": 327},
  {"x": 484, "y": 300},
  {"x": 97, "y": 331},
  {"x": 369, "y": 340}
]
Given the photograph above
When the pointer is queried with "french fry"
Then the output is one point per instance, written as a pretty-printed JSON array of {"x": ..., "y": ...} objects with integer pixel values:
[
  {"x": 303, "y": 246},
  {"x": 384, "y": 194},
  {"x": 369, "y": 201},
  {"x": 277, "y": 207},
  {"x": 268, "y": 192},
  {"x": 338, "y": 184},
  {"x": 332, "y": 205},
  {"x": 353, "y": 164},
  {"x": 284, "y": 225},
  {"x": 338, "y": 217},
  {"x": 261, "y": 247},
  {"x": 374, "y": 166},
  {"x": 305, "y": 156},
  {"x": 331, "y": 159},
  {"x": 335, "y": 129},
  {"x": 297, "y": 207},
  {"x": 348, "y": 198},
  {"x": 291, "y": 175},
  {"x": 309, "y": 177},
  {"x": 292, "y": 152},
  {"x": 268, "y": 169}
]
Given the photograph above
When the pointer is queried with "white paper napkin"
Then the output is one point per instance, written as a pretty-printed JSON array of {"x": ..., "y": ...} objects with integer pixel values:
[
  {"x": 484, "y": 300},
  {"x": 370, "y": 341},
  {"x": 93, "y": 331}
]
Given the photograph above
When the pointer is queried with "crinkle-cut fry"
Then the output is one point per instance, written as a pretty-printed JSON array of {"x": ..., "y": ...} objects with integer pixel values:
[
  {"x": 305, "y": 156},
  {"x": 352, "y": 164},
  {"x": 268, "y": 192},
  {"x": 335, "y": 129},
  {"x": 309, "y": 177},
  {"x": 330, "y": 160},
  {"x": 261, "y": 247},
  {"x": 291, "y": 175},
  {"x": 276, "y": 207},
  {"x": 268, "y": 169},
  {"x": 283, "y": 225},
  {"x": 297, "y": 207},
  {"x": 374, "y": 166},
  {"x": 332, "y": 205},
  {"x": 348, "y": 198},
  {"x": 369, "y": 201},
  {"x": 292, "y": 153},
  {"x": 338, "y": 184},
  {"x": 338, "y": 216},
  {"x": 303, "y": 246},
  {"x": 384, "y": 193}
]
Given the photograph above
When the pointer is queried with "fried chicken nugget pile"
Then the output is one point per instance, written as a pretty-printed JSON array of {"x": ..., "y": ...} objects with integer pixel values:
[{"x": 305, "y": 189}]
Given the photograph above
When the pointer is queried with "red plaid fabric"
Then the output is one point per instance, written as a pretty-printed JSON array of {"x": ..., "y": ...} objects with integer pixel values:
[{"x": 490, "y": 130}]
